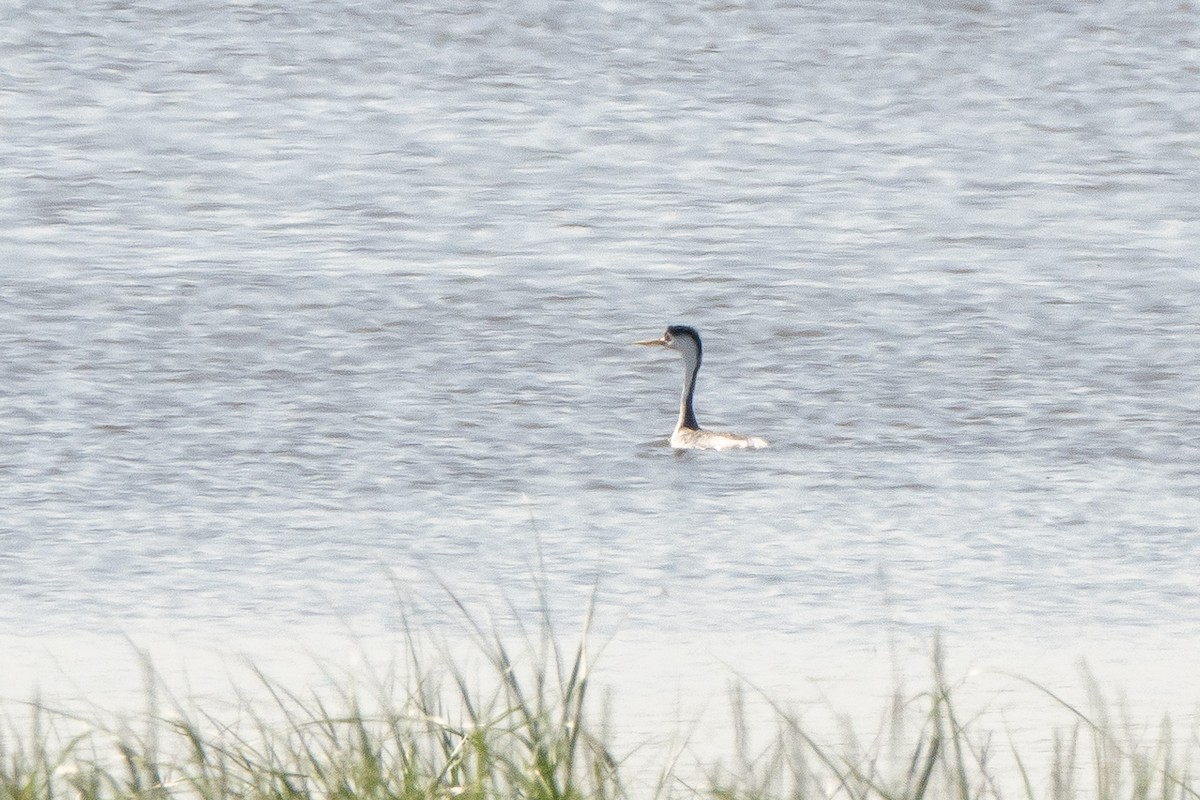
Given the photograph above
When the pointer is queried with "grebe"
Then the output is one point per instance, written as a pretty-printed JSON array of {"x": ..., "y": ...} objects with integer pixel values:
[{"x": 688, "y": 433}]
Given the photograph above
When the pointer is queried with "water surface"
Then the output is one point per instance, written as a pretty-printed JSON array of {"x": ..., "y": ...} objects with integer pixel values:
[{"x": 313, "y": 309}]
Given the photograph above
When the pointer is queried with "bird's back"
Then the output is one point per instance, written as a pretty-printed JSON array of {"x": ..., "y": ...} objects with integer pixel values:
[{"x": 689, "y": 439}]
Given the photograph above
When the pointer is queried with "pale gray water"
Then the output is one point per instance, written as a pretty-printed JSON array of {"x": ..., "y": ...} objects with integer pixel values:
[{"x": 307, "y": 306}]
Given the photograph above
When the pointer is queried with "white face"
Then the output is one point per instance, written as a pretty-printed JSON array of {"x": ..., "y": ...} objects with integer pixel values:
[{"x": 684, "y": 344}]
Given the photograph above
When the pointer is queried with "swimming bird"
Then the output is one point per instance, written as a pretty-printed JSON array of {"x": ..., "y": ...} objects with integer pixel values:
[{"x": 688, "y": 433}]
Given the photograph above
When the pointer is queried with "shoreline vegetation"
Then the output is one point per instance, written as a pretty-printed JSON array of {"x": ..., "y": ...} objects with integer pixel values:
[{"x": 520, "y": 721}]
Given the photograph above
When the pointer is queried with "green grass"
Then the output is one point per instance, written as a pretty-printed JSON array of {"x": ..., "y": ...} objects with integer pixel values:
[
  {"x": 519, "y": 722},
  {"x": 926, "y": 750}
]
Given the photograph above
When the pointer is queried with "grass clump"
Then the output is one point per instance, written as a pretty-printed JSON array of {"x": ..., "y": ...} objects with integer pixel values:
[
  {"x": 927, "y": 750},
  {"x": 517, "y": 723},
  {"x": 433, "y": 734}
]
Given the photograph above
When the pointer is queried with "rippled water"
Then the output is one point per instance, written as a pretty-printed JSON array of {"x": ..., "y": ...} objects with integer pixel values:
[{"x": 307, "y": 307}]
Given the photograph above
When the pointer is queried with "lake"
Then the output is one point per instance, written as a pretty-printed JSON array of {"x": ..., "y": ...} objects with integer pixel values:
[{"x": 317, "y": 313}]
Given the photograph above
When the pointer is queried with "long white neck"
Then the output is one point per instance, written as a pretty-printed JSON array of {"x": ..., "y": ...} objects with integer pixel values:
[{"x": 691, "y": 367}]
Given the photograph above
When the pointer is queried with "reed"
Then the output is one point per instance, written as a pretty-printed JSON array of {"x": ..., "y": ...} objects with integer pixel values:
[
  {"x": 520, "y": 723},
  {"x": 926, "y": 750}
]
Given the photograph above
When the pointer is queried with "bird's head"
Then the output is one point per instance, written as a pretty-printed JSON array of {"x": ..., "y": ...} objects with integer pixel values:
[{"x": 683, "y": 338}]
